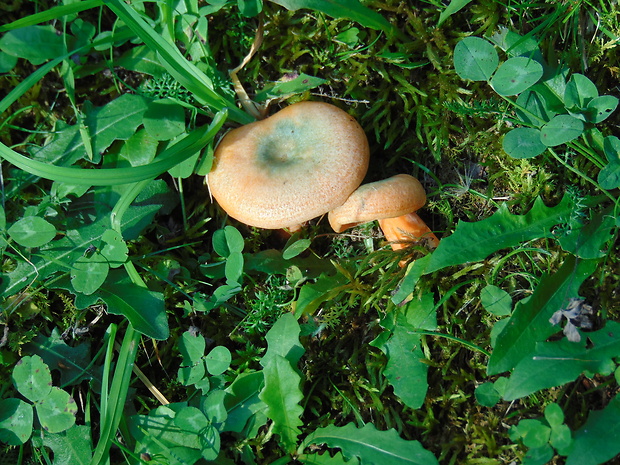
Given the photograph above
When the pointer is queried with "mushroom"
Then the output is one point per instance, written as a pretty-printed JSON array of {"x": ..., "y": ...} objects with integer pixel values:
[
  {"x": 298, "y": 164},
  {"x": 393, "y": 202}
]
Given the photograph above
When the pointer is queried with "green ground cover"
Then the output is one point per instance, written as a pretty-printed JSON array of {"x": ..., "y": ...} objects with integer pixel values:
[{"x": 140, "y": 324}]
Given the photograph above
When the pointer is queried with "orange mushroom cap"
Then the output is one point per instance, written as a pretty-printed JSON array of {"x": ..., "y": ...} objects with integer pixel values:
[{"x": 298, "y": 164}]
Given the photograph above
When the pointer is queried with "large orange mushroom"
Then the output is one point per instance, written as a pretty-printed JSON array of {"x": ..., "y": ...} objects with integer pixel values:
[{"x": 298, "y": 164}]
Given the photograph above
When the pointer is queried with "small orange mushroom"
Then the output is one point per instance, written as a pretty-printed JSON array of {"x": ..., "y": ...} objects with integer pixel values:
[
  {"x": 298, "y": 164},
  {"x": 393, "y": 202}
]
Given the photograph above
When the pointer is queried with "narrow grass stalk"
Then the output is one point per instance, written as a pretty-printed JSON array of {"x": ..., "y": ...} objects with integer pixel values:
[
  {"x": 53, "y": 13},
  {"x": 170, "y": 157},
  {"x": 185, "y": 72}
]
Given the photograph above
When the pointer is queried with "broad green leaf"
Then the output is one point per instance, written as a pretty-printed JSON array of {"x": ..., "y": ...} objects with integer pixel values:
[
  {"x": 475, "y": 59},
  {"x": 536, "y": 111},
  {"x": 141, "y": 59},
  {"x": 72, "y": 362},
  {"x": 516, "y": 75},
  {"x": 250, "y": 8},
  {"x": 561, "y": 439},
  {"x": 16, "y": 419},
  {"x": 192, "y": 346},
  {"x": 590, "y": 240},
  {"x": 371, "y": 446},
  {"x": 7, "y": 62},
  {"x": 312, "y": 295},
  {"x": 326, "y": 459},
  {"x": 139, "y": 149},
  {"x": 533, "y": 433},
  {"x": 296, "y": 248},
  {"x": 71, "y": 447},
  {"x": 486, "y": 395},
  {"x": 561, "y": 129},
  {"x": 56, "y": 412},
  {"x": 556, "y": 363},
  {"x": 598, "y": 440},
  {"x": 529, "y": 323},
  {"x": 499, "y": 231},
  {"x": 36, "y": 44},
  {"x": 89, "y": 273},
  {"x": 32, "y": 378},
  {"x": 579, "y": 92},
  {"x": 600, "y": 108},
  {"x": 611, "y": 146},
  {"x": 282, "y": 395},
  {"x": 523, "y": 143},
  {"x": 243, "y": 403},
  {"x": 142, "y": 307},
  {"x": 213, "y": 406},
  {"x": 609, "y": 176},
  {"x": 554, "y": 414},
  {"x": 114, "y": 248},
  {"x": 350, "y": 9},
  {"x": 32, "y": 231},
  {"x": 515, "y": 44},
  {"x": 233, "y": 269},
  {"x": 405, "y": 369},
  {"x": 284, "y": 87},
  {"x": 164, "y": 119},
  {"x": 218, "y": 360},
  {"x": 59, "y": 255},
  {"x": 453, "y": 7},
  {"x": 234, "y": 239},
  {"x": 283, "y": 340},
  {"x": 496, "y": 300}
]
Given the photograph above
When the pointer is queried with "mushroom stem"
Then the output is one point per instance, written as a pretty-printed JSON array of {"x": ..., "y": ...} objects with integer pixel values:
[{"x": 402, "y": 230}]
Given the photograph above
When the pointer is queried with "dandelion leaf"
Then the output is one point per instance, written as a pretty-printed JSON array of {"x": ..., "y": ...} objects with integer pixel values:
[
  {"x": 529, "y": 322},
  {"x": 473, "y": 242},
  {"x": 371, "y": 446},
  {"x": 559, "y": 362}
]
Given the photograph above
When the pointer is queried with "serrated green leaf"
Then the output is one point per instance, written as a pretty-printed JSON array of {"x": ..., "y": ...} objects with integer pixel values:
[
  {"x": 555, "y": 363},
  {"x": 32, "y": 231},
  {"x": 405, "y": 369},
  {"x": 501, "y": 230},
  {"x": 282, "y": 395},
  {"x": 16, "y": 419},
  {"x": 529, "y": 323},
  {"x": 326, "y": 459},
  {"x": 371, "y": 446},
  {"x": 589, "y": 241},
  {"x": 598, "y": 440},
  {"x": 32, "y": 378},
  {"x": 56, "y": 412}
]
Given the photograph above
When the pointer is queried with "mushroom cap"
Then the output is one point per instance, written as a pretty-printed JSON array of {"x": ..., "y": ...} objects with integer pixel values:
[
  {"x": 298, "y": 164},
  {"x": 388, "y": 198}
]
